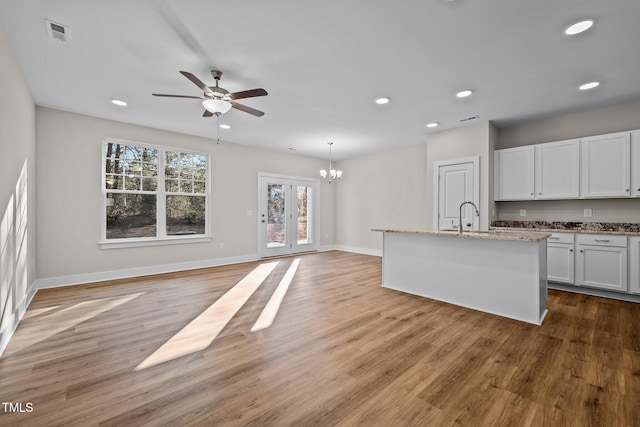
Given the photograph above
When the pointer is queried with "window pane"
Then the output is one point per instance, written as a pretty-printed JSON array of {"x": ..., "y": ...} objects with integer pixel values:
[
  {"x": 276, "y": 224},
  {"x": 131, "y": 215},
  {"x": 304, "y": 215},
  {"x": 149, "y": 169},
  {"x": 199, "y": 187},
  {"x": 132, "y": 183},
  {"x": 172, "y": 185},
  {"x": 186, "y": 187},
  {"x": 113, "y": 182},
  {"x": 149, "y": 184},
  {"x": 186, "y": 215}
]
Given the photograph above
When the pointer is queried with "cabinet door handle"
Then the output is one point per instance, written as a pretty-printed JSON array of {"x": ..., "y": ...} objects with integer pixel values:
[
  {"x": 602, "y": 240},
  {"x": 581, "y": 251},
  {"x": 570, "y": 250},
  {"x": 553, "y": 238}
]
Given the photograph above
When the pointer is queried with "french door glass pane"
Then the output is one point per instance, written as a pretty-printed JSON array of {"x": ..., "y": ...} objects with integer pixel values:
[
  {"x": 305, "y": 227},
  {"x": 276, "y": 221}
]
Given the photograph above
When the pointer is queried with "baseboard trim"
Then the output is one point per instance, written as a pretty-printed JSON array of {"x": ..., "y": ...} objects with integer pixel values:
[
  {"x": 13, "y": 321},
  {"x": 79, "y": 279},
  {"x": 358, "y": 250},
  {"x": 594, "y": 292}
]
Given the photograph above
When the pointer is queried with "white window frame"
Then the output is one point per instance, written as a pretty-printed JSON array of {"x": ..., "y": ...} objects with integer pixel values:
[{"x": 161, "y": 237}]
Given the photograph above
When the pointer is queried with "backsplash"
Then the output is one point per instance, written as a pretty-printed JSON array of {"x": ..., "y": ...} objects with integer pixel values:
[
  {"x": 620, "y": 227},
  {"x": 602, "y": 210}
]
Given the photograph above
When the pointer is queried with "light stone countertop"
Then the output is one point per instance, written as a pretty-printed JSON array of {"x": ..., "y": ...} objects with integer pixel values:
[
  {"x": 524, "y": 236},
  {"x": 556, "y": 230}
]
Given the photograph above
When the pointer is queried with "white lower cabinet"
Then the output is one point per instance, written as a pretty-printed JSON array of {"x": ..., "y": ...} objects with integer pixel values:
[
  {"x": 634, "y": 265},
  {"x": 560, "y": 258},
  {"x": 601, "y": 262}
]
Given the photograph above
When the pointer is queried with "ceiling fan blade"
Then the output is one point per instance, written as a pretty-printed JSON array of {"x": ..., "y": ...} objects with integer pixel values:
[
  {"x": 246, "y": 109},
  {"x": 197, "y": 82},
  {"x": 248, "y": 93},
  {"x": 207, "y": 113},
  {"x": 177, "y": 96}
]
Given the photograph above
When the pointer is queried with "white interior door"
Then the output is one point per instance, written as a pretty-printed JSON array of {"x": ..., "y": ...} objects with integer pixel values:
[
  {"x": 288, "y": 215},
  {"x": 456, "y": 182}
]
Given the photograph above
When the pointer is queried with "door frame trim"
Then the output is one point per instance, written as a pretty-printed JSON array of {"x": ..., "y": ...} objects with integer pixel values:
[
  {"x": 436, "y": 187},
  {"x": 262, "y": 175}
]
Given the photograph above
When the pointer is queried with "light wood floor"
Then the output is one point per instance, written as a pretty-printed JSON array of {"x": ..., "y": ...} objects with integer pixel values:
[{"x": 341, "y": 351}]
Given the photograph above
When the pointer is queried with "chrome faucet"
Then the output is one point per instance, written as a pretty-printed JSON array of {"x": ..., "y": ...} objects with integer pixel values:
[{"x": 460, "y": 219}]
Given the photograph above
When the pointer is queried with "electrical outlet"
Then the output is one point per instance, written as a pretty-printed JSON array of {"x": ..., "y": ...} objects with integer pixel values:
[
  {"x": 249, "y": 212},
  {"x": 588, "y": 213},
  {"x": 523, "y": 212},
  {"x": 221, "y": 245}
]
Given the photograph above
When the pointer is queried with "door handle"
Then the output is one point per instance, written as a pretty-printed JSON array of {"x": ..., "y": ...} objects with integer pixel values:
[{"x": 263, "y": 221}]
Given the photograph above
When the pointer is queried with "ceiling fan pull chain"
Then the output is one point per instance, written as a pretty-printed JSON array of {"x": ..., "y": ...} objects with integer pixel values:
[{"x": 218, "y": 128}]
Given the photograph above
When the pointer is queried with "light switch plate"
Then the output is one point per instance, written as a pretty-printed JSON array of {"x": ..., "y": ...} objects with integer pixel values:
[
  {"x": 588, "y": 213},
  {"x": 523, "y": 212}
]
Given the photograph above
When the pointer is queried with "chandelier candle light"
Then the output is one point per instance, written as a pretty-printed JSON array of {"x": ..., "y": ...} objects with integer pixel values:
[{"x": 333, "y": 175}]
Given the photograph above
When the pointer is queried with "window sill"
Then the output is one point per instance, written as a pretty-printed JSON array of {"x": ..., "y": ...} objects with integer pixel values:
[{"x": 134, "y": 243}]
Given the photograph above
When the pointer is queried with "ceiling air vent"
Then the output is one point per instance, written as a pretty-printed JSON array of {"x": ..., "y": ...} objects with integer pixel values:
[
  {"x": 57, "y": 31},
  {"x": 466, "y": 119}
]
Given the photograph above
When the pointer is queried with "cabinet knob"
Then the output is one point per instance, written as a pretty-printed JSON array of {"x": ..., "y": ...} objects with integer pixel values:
[
  {"x": 581, "y": 251},
  {"x": 539, "y": 194},
  {"x": 570, "y": 250},
  {"x": 532, "y": 194},
  {"x": 627, "y": 190}
]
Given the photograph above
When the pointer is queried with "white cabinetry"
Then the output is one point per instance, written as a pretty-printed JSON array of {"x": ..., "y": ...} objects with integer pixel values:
[
  {"x": 557, "y": 170},
  {"x": 560, "y": 258},
  {"x": 514, "y": 173},
  {"x": 601, "y": 262},
  {"x": 635, "y": 163},
  {"x": 606, "y": 165},
  {"x": 634, "y": 265}
]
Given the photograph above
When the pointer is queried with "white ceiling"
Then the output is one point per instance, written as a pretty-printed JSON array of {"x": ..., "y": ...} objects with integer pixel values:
[{"x": 324, "y": 62}]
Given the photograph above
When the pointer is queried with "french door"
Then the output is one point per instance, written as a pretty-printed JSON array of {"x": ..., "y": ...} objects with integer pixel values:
[{"x": 287, "y": 215}]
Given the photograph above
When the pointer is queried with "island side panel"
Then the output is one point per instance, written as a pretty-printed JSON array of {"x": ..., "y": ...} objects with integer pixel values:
[{"x": 502, "y": 277}]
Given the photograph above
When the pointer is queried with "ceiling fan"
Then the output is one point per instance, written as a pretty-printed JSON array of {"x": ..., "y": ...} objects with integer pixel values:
[{"x": 218, "y": 100}]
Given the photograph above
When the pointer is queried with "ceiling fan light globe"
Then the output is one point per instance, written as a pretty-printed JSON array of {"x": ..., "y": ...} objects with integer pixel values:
[{"x": 216, "y": 105}]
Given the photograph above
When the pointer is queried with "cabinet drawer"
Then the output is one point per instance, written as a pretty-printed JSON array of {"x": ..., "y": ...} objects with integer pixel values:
[
  {"x": 601, "y": 240},
  {"x": 560, "y": 238}
]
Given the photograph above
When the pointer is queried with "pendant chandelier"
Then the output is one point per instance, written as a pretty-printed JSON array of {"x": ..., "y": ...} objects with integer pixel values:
[{"x": 333, "y": 174}]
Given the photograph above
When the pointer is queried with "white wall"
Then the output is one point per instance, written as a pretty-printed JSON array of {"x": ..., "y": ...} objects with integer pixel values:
[
  {"x": 459, "y": 143},
  {"x": 69, "y": 199},
  {"x": 395, "y": 188},
  {"x": 17, "y": 202},
  {"x": 387, "y": 189},
  {"x": 594, "y": 122}
]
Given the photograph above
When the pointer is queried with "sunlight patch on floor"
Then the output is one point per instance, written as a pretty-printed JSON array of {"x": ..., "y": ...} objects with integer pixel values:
[
  {"x": 201, "y": 331},
  {"x": 33, "y": 331},
  {"x": 270, "y": 310}
]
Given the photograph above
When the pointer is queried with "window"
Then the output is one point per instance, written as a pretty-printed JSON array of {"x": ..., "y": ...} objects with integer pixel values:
[{"x": 153, "y": 193}]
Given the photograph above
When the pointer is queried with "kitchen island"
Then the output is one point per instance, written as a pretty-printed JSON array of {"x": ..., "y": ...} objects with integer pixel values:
[{"x": 503, "y": 273}]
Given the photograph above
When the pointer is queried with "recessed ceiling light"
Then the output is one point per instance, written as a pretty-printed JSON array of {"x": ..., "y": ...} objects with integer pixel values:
[
  {"x": 119, "y": 102},
  {"x": 223, "y": 126},
  {"x": 464, "y": 93},
  {"x": 432, "y": 125},
  {"x": 589, "y": 85},
  {"x": 578, "y": 27},
  {"x": 382, "y": 101}
]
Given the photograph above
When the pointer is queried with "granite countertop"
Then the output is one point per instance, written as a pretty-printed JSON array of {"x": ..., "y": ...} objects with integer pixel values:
[
  {"x": 620, "y": 228},
  {"x": 525, "y": 236}
]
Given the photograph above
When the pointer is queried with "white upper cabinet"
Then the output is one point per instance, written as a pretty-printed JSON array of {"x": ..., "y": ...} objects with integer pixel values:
[
  {"x": 514, "y": 173},
  {"x": 635, "y": 163},
  {"x": 557, "y": 170},
  {"x": 606, "y": 165}
]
